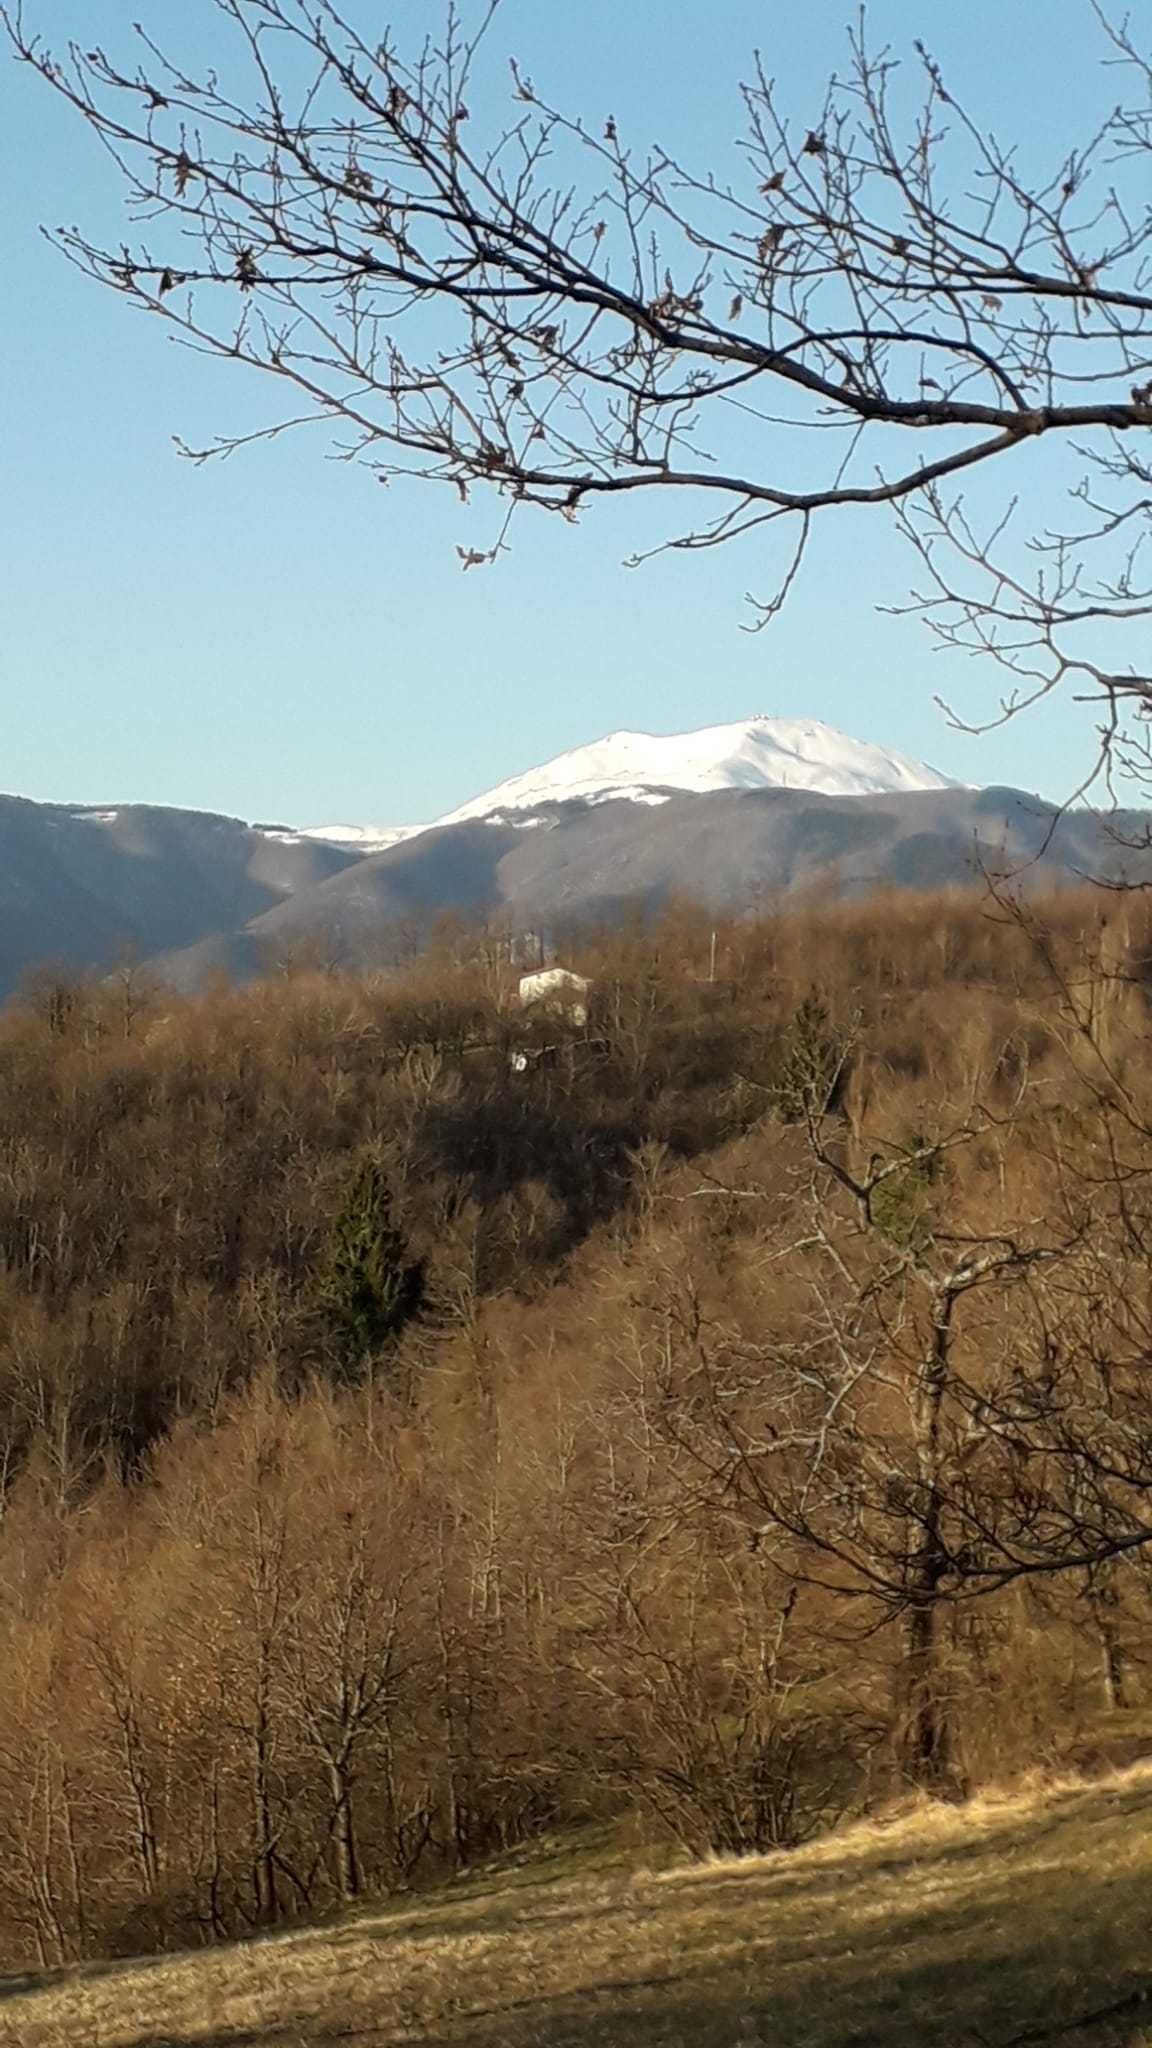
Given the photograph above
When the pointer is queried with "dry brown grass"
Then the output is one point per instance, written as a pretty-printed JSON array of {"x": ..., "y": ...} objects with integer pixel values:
[{"x": 1010, "y": 1921}]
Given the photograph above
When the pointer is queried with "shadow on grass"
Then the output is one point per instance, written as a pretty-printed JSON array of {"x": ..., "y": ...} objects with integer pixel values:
[
  {"x": 771, "y": 1955},
  {"x": 937, "y": 1979},
  {"x": 761, "y": 1888},
  {"x": 910, "y": 2009}
]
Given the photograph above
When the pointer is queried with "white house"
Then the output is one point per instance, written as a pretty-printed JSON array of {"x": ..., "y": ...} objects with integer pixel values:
[{"x": 557, "y": 990}]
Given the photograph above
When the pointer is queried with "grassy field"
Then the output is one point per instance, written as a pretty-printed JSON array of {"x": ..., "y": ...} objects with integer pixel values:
[{"x": 1013, "y": 1921}]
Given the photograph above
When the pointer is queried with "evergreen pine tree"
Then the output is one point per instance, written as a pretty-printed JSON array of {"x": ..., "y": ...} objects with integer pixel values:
[
  {"x": 369, "y": 1288},
  {"x": 812, "y": 1069}
]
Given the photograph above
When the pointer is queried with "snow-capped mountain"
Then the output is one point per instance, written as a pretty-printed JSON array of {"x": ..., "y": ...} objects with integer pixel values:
[
  {"x": 648, "y": 768},
  {"x": 734, "y": 819}
]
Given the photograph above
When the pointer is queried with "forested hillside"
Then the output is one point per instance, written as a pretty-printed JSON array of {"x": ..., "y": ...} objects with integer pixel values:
[{"x": 735, "y": 1416}]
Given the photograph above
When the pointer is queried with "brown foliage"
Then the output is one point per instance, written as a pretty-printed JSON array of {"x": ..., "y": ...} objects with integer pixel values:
[{"x": 757, "y": 1447}]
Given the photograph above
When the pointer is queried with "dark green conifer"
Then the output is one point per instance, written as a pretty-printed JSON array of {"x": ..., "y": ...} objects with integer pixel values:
[{"x": 369, "y": 1287}]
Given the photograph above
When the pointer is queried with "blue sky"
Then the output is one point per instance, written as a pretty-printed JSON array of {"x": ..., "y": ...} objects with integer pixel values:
[{"x": 278, "y": 637}]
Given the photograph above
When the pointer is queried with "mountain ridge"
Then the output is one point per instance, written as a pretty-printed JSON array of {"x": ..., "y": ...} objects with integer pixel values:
[
  {"x": 734, "y": 852},
  {"x": 739, "y": 822}
]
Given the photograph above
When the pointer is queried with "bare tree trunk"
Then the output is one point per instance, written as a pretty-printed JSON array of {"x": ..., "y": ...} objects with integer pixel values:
[
  {"x": 348, "y": 1877},
  {"x": 39, "y": 1853},
  {"x": 926, "y": 1734},
  {"x": 927, "y": 1753},
  {"x": 216, "y": 1871},
  {"x": 456, "y": 1818},
  {"x": 146, "y": 1843},
  {"x": 265, "y": 1891},
  {"x": 1113, "y": 1661},
  {"x": 75, "y": 1866}
]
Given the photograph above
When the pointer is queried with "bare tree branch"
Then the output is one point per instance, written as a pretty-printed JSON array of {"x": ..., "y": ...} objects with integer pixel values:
[{"x": 547, "y": 311}]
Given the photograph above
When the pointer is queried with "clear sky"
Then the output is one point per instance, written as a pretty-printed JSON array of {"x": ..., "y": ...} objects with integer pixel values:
[{"x": 279, "y": 638}]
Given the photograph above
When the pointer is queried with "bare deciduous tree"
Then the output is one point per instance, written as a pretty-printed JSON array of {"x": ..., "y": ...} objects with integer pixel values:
[{"x": 868, "y": 304}]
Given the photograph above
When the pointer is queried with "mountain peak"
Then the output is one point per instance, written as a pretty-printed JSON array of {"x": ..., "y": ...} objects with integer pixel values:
[{"x": 759, "y": 752}]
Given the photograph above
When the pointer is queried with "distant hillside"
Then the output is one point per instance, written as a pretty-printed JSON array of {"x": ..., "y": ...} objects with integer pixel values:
[
  {"x": 733, "y": 817},
  {"x": 81, "y": 887},
  {"x": 579, "y": 862}
]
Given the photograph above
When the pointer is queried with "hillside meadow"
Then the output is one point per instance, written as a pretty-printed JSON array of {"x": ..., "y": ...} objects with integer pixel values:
[{"x": 1013, "y": 1920}]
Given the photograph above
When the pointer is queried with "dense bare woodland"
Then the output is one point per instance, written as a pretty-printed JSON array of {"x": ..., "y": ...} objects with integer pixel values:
[{"x": 759, "y": 1424}]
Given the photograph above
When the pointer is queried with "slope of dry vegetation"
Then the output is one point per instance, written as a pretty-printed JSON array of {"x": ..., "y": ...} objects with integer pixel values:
[
  {"x": 773, "y": 1433},
  {"x": 1008, "y": 1921}
]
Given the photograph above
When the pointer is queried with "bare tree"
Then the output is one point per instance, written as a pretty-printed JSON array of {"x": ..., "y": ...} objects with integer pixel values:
[
  {"x": 868, "y": 303},
  {"x": 892, "y": 1436}
]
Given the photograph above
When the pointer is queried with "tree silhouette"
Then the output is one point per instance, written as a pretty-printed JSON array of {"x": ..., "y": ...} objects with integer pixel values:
[{"x": 869, "y": 303}]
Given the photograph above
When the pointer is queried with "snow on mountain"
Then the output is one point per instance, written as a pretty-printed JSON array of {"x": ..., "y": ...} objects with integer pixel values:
[
  {"x": 648, "y": 768},
  {"x": 360, "y": 838},
  {"x": 756, "y": 753}
]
